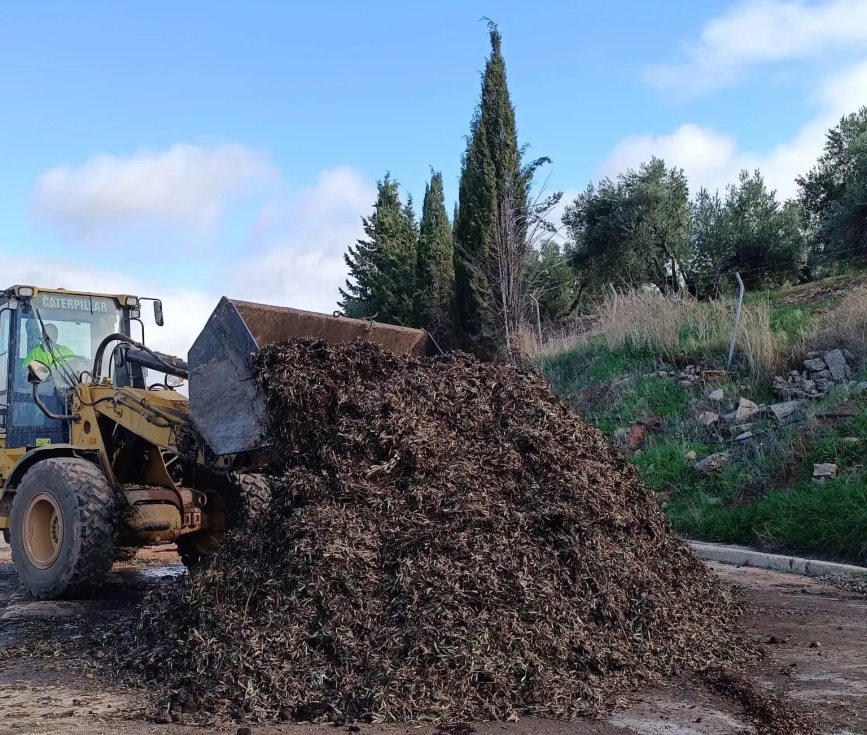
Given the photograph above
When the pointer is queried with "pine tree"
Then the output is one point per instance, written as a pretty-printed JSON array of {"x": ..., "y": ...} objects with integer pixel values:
[
  {"x": 491, "y": 170},
  {"x": 357, "y": 300},
  {"x": 434, "y": 264},
  {"x": 399, "y": 266},
  {"x": 382, "y": 266}
]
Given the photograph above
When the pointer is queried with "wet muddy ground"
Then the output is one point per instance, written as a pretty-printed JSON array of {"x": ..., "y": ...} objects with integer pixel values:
[{"x": 50, "y": 682}]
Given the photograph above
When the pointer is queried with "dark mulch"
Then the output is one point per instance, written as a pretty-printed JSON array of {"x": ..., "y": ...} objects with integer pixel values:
[
  {"x": 769, "y": 713},
  {"x": 446, "y": 542}
]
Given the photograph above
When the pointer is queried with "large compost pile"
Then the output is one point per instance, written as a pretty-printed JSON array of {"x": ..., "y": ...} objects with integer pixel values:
[{"x": 446, "y": 542}]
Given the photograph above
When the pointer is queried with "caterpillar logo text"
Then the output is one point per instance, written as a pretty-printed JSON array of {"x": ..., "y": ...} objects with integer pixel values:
[{"x": 77, "y": 304}]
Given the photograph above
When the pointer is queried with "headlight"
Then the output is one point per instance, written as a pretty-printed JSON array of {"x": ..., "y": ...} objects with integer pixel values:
[
  {"x": 25, "y": 291},
  {"x": 134, "y": 313},
  {"x": 37, "y": 372},
  {"x": 130, "y": 301}
]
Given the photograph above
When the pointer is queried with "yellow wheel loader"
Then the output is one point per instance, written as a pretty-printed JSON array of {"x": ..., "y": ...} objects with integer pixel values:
[{"x": 97, "y": 457}]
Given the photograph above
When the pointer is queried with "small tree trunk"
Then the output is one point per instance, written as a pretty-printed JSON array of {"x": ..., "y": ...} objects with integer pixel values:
[
  {"x": 577, "y": 299},
  {"x": 713, "y": 289}
]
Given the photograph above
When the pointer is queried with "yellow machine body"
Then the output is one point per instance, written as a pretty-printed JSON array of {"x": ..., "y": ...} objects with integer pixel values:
[{"x": 174, "y": 464}]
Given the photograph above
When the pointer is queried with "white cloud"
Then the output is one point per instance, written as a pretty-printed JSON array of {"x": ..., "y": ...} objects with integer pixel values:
[
  {"x": 300, "y": 264},
  {"x": 184, "y": 184},
  {"x": 712, "y": 159},
  {"x": 763, "y": 31},
  {"x": 705, "y": 155},
  {"x": 186, "y": 311}
]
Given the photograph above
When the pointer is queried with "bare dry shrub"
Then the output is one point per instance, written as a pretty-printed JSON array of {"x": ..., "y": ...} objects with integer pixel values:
[
  {"x": 843, "y": 326},
  {"x": 682, "y": 325},
  {"x": 764, "y": 351},
  {"x": 642, "y": 319},
  {"x": 556, "y": 339}
]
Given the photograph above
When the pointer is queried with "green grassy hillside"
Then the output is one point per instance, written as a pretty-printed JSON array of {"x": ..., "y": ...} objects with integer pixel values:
[{"x": 764, "y": 494}]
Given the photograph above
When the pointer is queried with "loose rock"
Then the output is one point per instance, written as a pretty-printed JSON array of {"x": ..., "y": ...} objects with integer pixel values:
[
  {"x": 815, "y": 365},
  {"x": 837, "y": 365},
  {"x": 824, "y": 471},
  {"x": 787, "y": 412},
  {"x": 712, "y": 463},
  {"x": 823, "y": 386},
  {"x": 820, "y": 375},
  {"x": 708, "y": 418},
  {"x": 746, "y": 408}
]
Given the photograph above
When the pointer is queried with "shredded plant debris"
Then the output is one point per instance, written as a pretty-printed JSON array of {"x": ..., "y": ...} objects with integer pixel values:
[
  {"x": 769, "y": 713},
  {"x": 446, "y": 543},
  {"x": 856, "y": 584}
]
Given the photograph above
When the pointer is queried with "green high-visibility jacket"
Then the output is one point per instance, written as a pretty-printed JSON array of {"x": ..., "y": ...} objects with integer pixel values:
[{"x": 39, "y": 353}]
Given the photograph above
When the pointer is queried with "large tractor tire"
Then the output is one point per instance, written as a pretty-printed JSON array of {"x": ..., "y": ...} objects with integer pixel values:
[
  {"x": 64, "y": 528},
  {"x": 242, "y": 500}
]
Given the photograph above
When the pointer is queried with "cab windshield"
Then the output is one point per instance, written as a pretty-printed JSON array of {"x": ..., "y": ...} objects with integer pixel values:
[{"x": 75, "y": 325}]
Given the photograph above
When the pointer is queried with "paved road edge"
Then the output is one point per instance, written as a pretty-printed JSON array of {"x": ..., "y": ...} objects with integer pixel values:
[{"x": 743, "y": 557}]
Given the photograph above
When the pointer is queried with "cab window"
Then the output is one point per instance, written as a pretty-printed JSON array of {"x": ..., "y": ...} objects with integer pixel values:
[
  {"x": 5, "y": 333},
  {"x": 81, "y": 323}
]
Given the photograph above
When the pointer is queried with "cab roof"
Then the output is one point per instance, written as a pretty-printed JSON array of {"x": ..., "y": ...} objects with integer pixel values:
[{"x": 24, "y": 290}]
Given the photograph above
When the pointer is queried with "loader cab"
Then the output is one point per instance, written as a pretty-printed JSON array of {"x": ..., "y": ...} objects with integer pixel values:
[{"x": 78, "y": 323}]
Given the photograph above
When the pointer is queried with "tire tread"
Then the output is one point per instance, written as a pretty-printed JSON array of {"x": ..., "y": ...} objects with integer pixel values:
[{"x": 97, "y": 519}]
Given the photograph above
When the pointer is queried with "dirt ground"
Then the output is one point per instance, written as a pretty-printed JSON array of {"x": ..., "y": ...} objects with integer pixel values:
[{"x": 817, "y": 656}]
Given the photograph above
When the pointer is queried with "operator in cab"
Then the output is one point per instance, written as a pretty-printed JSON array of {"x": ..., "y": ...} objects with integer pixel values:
[{"x": 52, "y": 358}]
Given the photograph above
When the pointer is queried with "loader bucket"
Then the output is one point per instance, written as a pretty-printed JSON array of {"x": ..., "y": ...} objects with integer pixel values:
[{"x": 224, "y": 404}]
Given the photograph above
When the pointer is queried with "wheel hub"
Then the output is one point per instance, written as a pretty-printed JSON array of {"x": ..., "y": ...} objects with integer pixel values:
[
  {"x": 206, "y": 542},
  {"x": 43, "y": 531}
]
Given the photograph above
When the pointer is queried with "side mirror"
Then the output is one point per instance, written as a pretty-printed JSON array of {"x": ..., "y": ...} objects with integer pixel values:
[
  {"x": 37, "y": 372},
  {"x": 158, "y": 312}
]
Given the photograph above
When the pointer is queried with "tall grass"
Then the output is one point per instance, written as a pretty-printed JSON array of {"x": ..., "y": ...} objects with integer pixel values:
[
  {"x": 764, "y": 351},
  {"x": 642, "y": 320},
  {"x": 684, "y": 326},
  {"x": 845, "y": 325},
  {"x": 555, "y": 340}
]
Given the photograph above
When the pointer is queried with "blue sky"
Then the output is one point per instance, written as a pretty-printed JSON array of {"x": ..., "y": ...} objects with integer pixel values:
[{"x": 194, "y": 149}]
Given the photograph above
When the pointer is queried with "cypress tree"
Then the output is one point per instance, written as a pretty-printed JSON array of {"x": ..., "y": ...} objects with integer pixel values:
[
  {"x": 434, "y": 265},
  {"x": 491, "y": 168},
  {"x": 382, "y": 266}
]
